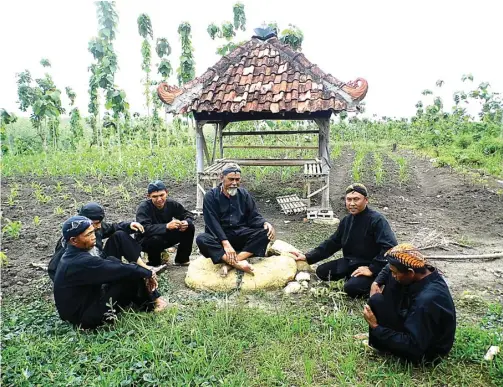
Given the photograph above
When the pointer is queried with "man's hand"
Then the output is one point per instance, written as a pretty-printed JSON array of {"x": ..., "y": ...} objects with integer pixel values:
[
  {"x": 135, "y": 226},
  {"x": 229, "y": 252},
  {"x": 173, "y": 225},
  {"x": 298, "y": 256},
  {"x": 369, "y": 316},
  {"x": 271, "y": 233},
  {"x": 375, "y": 288},
  {"x": 184, "y": 225},
  {"x": 362, "y": 270},
  {"x": 151, "y": 283}
]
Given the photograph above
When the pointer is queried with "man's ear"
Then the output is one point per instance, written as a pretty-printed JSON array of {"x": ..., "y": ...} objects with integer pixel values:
[{"x": 72, "y": 240}]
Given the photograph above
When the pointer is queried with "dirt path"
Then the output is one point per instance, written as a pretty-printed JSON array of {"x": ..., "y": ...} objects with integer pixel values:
[{"x": 431, "y": 199}]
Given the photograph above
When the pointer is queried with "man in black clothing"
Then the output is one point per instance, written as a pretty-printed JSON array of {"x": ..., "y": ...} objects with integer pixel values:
[
  {"x": 410, "y": 312},
  {"x": 234, "y": 230},
  {"x": 166, "y": 223},
  {"x": 119, "y": 241},
  {"x": 84, "y": 283},
  {"x": 364, "y": 236}
]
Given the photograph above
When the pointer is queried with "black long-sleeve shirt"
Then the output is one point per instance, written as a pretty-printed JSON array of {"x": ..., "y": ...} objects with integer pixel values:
[
  {"x": 154, "y": 220},
  {"x": 78, "y": 280},
  {"x": 223, "y": 213},
  {"x": 105, "y": 232},
  {"x": 430, "y": 318},
  {"x": 364, "y": 239}
]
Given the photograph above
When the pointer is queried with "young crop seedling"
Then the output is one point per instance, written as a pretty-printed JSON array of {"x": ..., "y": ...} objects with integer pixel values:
[
  {"x": 36, "y": 220},
  {"x": 378, "y": 168},
  {"x": 59, "y": 187},
  {"x": 12, "y": 229},
  {"x": 59, "y": 211},
  {"x": 4, "y": 260},
  {"x": 41, "y": 197},
  {"x": 11, "y": 199}
]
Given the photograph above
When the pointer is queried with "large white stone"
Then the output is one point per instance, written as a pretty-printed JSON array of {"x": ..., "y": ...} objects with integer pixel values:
[
  {"x": 303, "y": 276},
  {"x": 292, "y": 287},
  {"x": 270, "y": 273},
  {"x": 204, "y": 275}
]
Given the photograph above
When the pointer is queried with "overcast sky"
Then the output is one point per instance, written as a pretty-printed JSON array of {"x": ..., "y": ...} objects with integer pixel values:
[{"x": 400, "y": 47}]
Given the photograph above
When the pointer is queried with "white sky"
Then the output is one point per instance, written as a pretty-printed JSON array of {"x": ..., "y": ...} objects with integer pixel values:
[{"x": 400, "y": 47}]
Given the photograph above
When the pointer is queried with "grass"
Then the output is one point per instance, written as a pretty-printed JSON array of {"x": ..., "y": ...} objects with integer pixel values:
[
  {"x": 227, "y": 343},
  {"x": 378, "y": 168}
]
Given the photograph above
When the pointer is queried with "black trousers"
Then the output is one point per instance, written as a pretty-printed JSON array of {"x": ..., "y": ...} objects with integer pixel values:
[
  {"x": 252, "y": 240},
  {"x": 122, "y": 294},
  {"x": 342, "y": 269},
  {"x": 156, "y": 244},
  {"x": 121, "y": 244}
]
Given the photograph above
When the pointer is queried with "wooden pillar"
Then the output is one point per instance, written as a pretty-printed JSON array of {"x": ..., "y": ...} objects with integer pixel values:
[
  {"x": 199, "y": 164},
  {"x": 221, "y": 138},
  {"x": 324, "y": 155}
]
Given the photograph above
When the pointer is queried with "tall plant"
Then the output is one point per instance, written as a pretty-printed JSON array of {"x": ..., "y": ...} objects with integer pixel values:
[
  {"x": 164, "y": 68},
  {"x": 6, "y": 118},
  {"x": 146, "y": 32},
  {"x": 187, "y": 69},
  {"x": 227, "y": 30},
  {"x": 75, "y": 119}
]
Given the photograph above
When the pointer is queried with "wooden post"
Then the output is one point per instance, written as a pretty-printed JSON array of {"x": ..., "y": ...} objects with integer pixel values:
[
  {"x": 215, "y": 143},
  {"x": 324, "y": 155},
  {"x": 221, "y": 138},
  {"x": 199, "y": 164}
]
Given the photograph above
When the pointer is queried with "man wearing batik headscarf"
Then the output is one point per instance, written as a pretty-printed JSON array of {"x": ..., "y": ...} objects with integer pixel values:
[
  {"x": 234, "y": 229},
  {"x": 410, "y": 312},
  {"x": 119, "y": 241},
  {"x": 166, "y": 223},
  {"x": 87, "y": 287},
  {"x": 364, "y": 236}
]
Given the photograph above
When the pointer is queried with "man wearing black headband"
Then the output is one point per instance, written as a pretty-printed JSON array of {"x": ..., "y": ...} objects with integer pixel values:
[
  {"x": 166, "y": 223},
  {"x": 364, "y": 236},
  {"x": 234, "y": 230},
  {"x": 84, "y": 284},
  {"x": 119, "y": 242}
]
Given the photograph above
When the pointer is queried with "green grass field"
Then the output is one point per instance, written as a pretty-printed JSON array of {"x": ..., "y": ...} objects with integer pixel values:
[{"x": 213, "y": 341}]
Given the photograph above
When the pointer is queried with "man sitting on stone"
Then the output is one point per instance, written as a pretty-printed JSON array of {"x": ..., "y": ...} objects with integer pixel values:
[
  {"x": 364, "y": 235},
  {"x": 166, "y": 223},
  {"x": 119, "y": 241},
  {"x": 234, "y": 229},
  {"x": 87, "y": 287},
  {"x": 410, "y": 312}
]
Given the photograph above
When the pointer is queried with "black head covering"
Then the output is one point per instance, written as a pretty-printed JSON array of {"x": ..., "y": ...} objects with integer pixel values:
[
  {"x": 357, "y": 187},
  {"x": 75, "y": 226},
  {"x": 155, "y": 186},
  {"x": 92, "y": 211}
]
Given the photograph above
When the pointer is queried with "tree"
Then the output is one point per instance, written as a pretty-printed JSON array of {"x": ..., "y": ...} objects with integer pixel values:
[
  {"x": 293, "y": 37},
  {"x": 163, "y": 50},
  {"x": 145, "y": 31},
  {"x": 105, "y": 66},
  {"x": 227, "y": 31},
  {"x": 75, "y": 120},
  {"x": 6, "y": 118},
  {"x": 45, "y": 62},
  {"x": 187, "y": 69}
]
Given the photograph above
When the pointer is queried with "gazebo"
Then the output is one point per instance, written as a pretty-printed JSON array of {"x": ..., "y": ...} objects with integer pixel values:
[{"x": 263, "y": 79}]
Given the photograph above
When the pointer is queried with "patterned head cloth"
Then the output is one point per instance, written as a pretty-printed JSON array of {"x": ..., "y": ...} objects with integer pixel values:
[
  {"x": 357, "y": 187},
  {"x": 92, "y": 211},
  {"x": 75, "y": 226},
  {"x": 230, "y": 167},
  {"x": 406, "y": 256}
]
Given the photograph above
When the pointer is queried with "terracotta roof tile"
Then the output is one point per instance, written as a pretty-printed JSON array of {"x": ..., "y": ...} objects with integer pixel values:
[{"x": 264, "y": 76}]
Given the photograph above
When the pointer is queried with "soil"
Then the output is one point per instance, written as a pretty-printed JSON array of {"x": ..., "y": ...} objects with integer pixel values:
[{"x": 431, "y": 201}]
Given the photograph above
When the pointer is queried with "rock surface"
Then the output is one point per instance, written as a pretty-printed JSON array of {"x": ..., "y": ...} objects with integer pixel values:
[
  {"x": 204, "y": 275},
  {"x": 292, "y": 287},
  {"x": 270, "y": 273}
]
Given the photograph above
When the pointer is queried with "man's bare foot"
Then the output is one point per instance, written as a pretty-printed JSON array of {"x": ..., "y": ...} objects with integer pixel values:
[
  {"x": 245, "y": 266},
  {"x": 159, "y": 269},
  {"x": 224, "y": 270},
  {"x": 160, "y": 304}
]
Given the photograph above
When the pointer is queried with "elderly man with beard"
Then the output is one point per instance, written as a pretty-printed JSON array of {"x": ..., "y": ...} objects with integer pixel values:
[
  {"x": 410, "y": 312},
  {"x": 364, "y": 236},
  {"x": 119, "y": 241},
  {"x": 234, "y": 229},
  {"x": 85, "y": 285},
  {"x": 166, "y": 223}
]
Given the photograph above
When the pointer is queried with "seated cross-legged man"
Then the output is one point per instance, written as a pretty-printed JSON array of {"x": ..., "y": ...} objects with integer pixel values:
[
  {"x": 410, "y": 312},
  {"x": 118, "y": 235},
  {"x": 166, "y": 223},
  {"x": 234, "y": 229},
  {"x": 364, "y": 235},
  {"x": 85, "y": 285}
]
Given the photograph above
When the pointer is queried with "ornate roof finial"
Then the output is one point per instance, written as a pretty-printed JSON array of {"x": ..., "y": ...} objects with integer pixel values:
[{"x": 265, "y": 32}]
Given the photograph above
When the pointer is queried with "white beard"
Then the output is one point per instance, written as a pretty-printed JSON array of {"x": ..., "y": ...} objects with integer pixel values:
[{"x": 232, "y": 191}]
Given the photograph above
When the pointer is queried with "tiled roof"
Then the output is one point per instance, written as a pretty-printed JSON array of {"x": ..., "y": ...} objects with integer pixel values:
[{"x": 263, "y": 76}]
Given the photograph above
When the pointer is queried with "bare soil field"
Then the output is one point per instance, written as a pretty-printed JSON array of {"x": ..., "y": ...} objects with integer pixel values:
[{"x": 429, "y": 201}]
